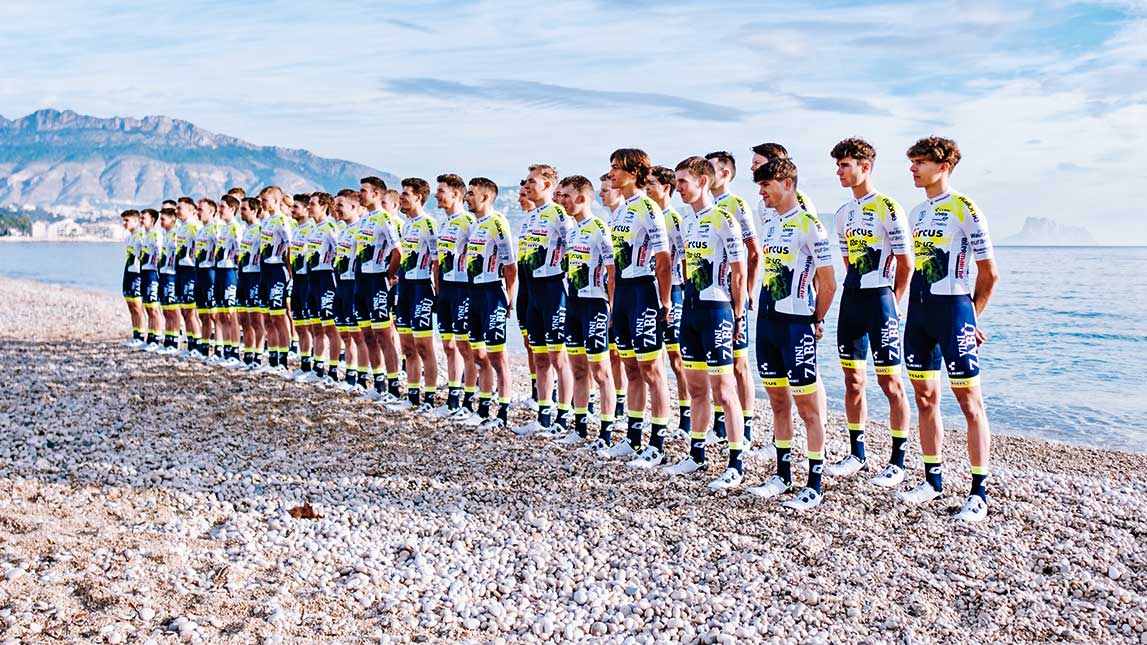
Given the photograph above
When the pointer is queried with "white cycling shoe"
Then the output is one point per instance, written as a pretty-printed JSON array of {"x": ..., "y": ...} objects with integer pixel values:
[
  {"x": 773, "y": 487},
  {"x": 975, "y": 509},
  {"x": 805, "y": 500},
  {"x": 572, "y": 438},
  {"x": 890, "y": 477},
  {"x": 922, "y": 494},
  {"x": 528, "y": 429},
  {"x": 728, "y": 479},
  {"x": 685, "y": 466},
  {"x": 621, "y": 449},
  {"x": 846, "y": 467},
  {"x": 650, "y": 457}
]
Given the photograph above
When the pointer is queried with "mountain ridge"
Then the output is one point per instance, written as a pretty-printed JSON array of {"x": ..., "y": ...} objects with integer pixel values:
[{"x": 63, "y": 158}]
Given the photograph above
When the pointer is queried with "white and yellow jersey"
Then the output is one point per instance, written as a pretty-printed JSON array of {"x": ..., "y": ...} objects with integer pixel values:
[
  {"x": 151, "y": 249},
  {"x": 322, "y": 245},
  {"x": 168, "y": 255},
  {"x": 346, "y": 250},
  {"x": 377, "y": 237},
  {"x": 227, "y": 247},
  {"x": 872, "y": 230},
  {"x": 739, "y": 209},
  {"x": 298, "y": 246},
  {"x": 275, "y": 238},
  {"x": 544, "y": 239},
  {"x": 589, "y": 251},
  {"x": 489, "y": 248},
  {"x": 794, "y": 245},
  {"x": 250, "y": 259},
  {"x": 638, "y": 235},
  {"x": 206, "y": 239},
  {"x": 713, "y": 243},
  {"x": 946, "y": 230},
  {"x": 675, "y": 229},
  {"x": 185, "y": 241},
  {"x": 453, "y": 236},
  {"x": 419, "y": 247}
]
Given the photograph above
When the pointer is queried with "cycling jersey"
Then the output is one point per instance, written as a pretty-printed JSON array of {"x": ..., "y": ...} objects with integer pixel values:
[
  {"x": 489, "y": 248},
  {"x": 638, "y": 235},
  {"x": 227, "y": 248},
  {"x": 275, "y": 238},
  {"x": 712, "y": 244},
  {"x": 794, "y": 245},
  {"x": 206, "y": 238},
  {"x": 944, "y": 230},
  {"x": 419, "y": 247},
  {"x": 151, "y": 248},
  {"x": 377, "y": 237},
  {"x": 588, "y": 253},
  {"x": 346, "y": 248},
  {"x": 739, "y": 209},
  {"x": 184, "y": 240},
  {"x": 872, "y": 231},
  {"x": 133, "y": 248},
  {"x": 675, "y": 228},
  {"x": 544, "y": 239},
  {"x": 249, "y": 257},
  {"x": 322, "y": 245},
  {"x": 298, "y": 248},
  {"x": 167, "y": 252},
  {"x": 452, "y": 240}
]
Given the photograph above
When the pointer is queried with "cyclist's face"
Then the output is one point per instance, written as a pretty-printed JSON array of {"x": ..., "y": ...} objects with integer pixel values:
[
  {"x": 689, "y": 186},
  {"x": 773, "y": 192},
  {"x": 850, "y": 172},
  {"x": 926, "y": 172},
  {"x": 757, "y": 162},
  {"x": 655, "y": 189}
]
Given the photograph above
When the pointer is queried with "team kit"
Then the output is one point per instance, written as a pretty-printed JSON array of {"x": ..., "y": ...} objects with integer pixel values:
[{"x": 370, "y": 293}]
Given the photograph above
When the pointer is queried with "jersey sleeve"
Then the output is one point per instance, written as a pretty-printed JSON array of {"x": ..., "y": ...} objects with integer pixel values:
[
  {"x": 896, "y": 228},
  {"x": 655, "y": 229},
  {"x": 806, "y": 203},
  {"x": 818, "y": 246},
  {"x": 744, "y": 220},
  {"x": 504, "y": 243},
  {"x": 975, "y": 226},
  {"x": 432, "y": 237},
  {"x": 841, "y": 236},
  {"x": 732, "y": 237},
  {"x": 605, "y": 243}
]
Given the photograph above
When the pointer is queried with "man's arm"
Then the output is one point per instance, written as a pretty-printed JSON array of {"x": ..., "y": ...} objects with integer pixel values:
[
  {"x": 824, "y": 281},
  {"x": 737, "y": 294},
  {"x": 510, "y": 276},
  {"x": 392, "y": 266},
  {"x": 987, "y": 275},
  {"x": 664, "y": 270},
  {"x": 610, "y": 272},
  {"x": 753, "y": 250},
  {"x": 904, "y": 271}
]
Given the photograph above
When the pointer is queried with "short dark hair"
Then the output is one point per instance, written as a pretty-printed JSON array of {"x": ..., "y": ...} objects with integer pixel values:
[
  {"x": 579, "y": 183},
  {"x": 377, "y": 182},
  {"x": 165, "y": 202},
  {"x": 698, "y": 166},
  {"x": 633, "y": 161},
  {"x": 725, "y": 159},
  {"x": 253, "y": 204},
  {"x": 604, "y": 177},
  {"x": 486, "y": 184},
  {"x": 348, "y": 192},
  {"x": 664, "y": 176},
  {"x": 186, "y": 200},
  {"x": 771, "y": 151},
  {"x": 776, "y": 170},
  {"x": 854, "y": 148},
  {"x": 131, "y": 212},
  {"x": 210, "y": 202},
  {"x": 150, "y": 212},
  {"x": 167, "y": 211},
  {"x": 452, "y": 181},
  {"x": 937, "y": 150},
  {"x": 303, "y": 198},
  {"x": 230, "y": 200},
  {"x": 419, "y": 186}
]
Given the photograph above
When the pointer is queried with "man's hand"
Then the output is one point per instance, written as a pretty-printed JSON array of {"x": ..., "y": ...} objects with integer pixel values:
[
  {"x": 738, "y": 331},
  {"x": 981, "y": 337},
  {"x": 818, "y": 330}
]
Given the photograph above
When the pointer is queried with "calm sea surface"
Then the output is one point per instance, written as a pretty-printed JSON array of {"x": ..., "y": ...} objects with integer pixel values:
[{"x": 1064, "y": 359}]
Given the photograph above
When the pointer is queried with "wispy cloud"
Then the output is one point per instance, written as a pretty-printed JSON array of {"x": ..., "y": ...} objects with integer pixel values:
[
  {"x": 406, "y": 24},
  {"x": 544, "y": 96}
]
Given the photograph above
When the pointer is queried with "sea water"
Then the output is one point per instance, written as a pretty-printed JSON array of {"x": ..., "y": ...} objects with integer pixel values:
[{"x": 1067, "y": 335}]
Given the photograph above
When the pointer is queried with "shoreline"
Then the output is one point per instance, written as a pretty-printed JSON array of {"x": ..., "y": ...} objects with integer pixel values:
[{"x": 144, "y": 497}]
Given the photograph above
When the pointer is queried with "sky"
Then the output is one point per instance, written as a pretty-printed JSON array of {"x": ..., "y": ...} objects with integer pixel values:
[{"x": 1047, "y": 100}]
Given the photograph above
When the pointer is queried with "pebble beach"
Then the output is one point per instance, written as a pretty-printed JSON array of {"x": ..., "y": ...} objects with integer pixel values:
[{"x": 148, "y": 499}]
